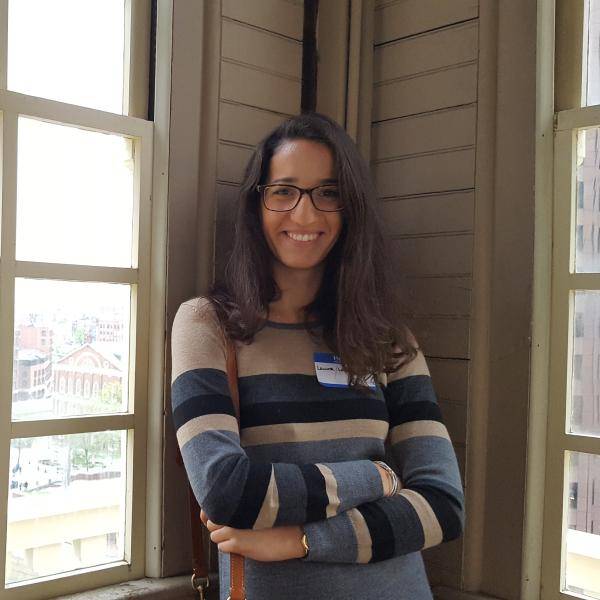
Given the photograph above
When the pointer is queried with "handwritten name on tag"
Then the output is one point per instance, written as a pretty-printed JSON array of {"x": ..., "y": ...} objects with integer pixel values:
[{"x": 330, "y": 373}]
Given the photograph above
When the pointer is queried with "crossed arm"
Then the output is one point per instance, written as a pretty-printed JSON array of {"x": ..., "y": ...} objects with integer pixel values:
[{"x": 428, "y": 509}]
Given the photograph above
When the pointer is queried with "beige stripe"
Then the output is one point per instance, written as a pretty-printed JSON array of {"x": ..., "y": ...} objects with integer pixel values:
[
  {"x": 363, "y": 537},
  {"x": 204, "y": 423},
  {"x": 416, "y": 429},
  {"x": 432, "y": 531},
  {"x": 310, "y": 432},
  {"x": 270, "y": 506},
  {"x": 417, "y": 366},
  {"x": 279, "y": 352},
  {"x": 195, "y": 339},
  {"x": 331, "y": 489}
]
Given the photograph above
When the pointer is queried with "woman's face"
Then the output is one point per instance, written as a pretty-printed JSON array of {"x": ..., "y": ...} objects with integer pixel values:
[{"x": 306, "y": 164}]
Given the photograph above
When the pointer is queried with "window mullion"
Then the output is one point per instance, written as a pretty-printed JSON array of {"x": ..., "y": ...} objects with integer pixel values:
[
  {"x": 71, "y": 114},
  {"x": 8, "y": 148},
  {"x": 574, "y": 118},
  {"x": 139, "y": 342},
  {"x": 71, "y": 425},
  {"x": 3, "y": 43},
  {"x": 556, "y": 466},
  {"x": 75, "y": 272}
]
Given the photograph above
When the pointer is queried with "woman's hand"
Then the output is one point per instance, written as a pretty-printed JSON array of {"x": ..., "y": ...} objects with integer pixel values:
[{"x": 273, "y": 544}]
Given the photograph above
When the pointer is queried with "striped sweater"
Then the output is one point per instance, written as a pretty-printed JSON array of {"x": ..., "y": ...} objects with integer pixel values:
[{"x": 303, "y": 455}]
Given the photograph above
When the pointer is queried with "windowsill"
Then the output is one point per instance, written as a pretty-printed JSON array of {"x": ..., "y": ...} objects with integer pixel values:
[{"x": 169, "y": 588}]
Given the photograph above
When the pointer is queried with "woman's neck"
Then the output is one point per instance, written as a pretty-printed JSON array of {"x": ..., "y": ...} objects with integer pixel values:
[{"x": 298, "y": 287}]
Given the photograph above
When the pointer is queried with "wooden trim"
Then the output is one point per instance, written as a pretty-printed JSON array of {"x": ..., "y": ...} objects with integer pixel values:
[
  {"x": 8, "y": 198},
  {"x": 3, "y": 43},
  {"x": 360, "y": 75},
  {"x": 136, "y": 70},
  {"x": 308, "y": 102},
  {"x": 542, "y": 276},
  {"x": 481, "y": 299},
  {"x": 569, "y": 53},
  {"x": 332, "y": 45},
  {"x": 160, "y": 96}
]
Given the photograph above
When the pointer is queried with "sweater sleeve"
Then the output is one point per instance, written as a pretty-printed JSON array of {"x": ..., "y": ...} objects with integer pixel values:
[
  {"x": 232, "y": 489},
  {"x": 428, "y": 509}
]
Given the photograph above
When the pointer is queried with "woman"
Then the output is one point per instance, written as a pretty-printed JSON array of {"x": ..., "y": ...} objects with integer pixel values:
[{"x": 329, "y": 379}]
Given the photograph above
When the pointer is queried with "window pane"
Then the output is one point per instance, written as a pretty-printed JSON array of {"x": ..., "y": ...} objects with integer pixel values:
[
  {"x": 585, "y": 386},
  {"x": 66, "y": 503},
  {"x": 587, "y": 253},
  {"x": 583, "y": 533},
  {"x": 71, "y": 348},
  {"x": 68, "y": 50},
  {"x": 591, "y": 59},
  {"x": 74, "y": 195}
]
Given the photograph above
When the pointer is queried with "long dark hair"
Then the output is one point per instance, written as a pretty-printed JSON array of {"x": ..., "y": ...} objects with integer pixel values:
[{"x": 356, "y": 304}]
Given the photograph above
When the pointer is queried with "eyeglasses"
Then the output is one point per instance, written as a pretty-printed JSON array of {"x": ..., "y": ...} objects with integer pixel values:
[{"x": 281, "y": 198}]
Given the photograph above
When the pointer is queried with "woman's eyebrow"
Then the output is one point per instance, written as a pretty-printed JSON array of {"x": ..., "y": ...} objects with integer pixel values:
[{"x": 292, "y": 179}]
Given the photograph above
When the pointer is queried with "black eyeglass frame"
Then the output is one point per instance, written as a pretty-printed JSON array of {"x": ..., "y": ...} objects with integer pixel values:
[{"x": 261, "y": 188}]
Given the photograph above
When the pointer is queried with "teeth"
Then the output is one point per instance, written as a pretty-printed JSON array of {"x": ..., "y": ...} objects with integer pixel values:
[{"x": 303, "y": 237}]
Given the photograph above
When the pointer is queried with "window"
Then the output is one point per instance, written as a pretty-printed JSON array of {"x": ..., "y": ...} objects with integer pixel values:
[
  {"x": 76, "y": 148},
  {"x": 570, "y": 542}
]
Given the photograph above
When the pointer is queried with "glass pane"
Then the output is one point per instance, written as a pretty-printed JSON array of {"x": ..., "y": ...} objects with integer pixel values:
[
  {"x": 587, "y": 202},
  {"x": 66, "y": 503},
  {"x": 71, "y": 348},
  {"x": 591, "y": 58},
  {"x": 584, "y": 417},
  {"x": 74, "y": 195},
  {"x": 68, "y": 50},
  {"x": 583, "y": 533}
]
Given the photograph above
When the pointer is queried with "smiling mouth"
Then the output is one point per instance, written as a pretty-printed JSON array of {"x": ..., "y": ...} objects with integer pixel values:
[{"x": 302, "y": 237}]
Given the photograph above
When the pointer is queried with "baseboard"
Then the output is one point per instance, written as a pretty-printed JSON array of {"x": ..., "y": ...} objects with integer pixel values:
[{"x": 441, "y": 592}]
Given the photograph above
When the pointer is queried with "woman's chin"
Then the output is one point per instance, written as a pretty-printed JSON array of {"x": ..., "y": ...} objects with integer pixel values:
[{"x": 299, "y": 264}]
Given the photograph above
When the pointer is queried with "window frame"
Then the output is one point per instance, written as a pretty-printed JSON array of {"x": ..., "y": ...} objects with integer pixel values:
[
  {"x": 144, "y": 416},
  {"x": 560, "y": 38}
]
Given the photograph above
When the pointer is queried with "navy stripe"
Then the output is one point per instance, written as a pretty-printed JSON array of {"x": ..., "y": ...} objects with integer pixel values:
[
  {"x": 198, "y": 406},
  {"x": 254, "y": 389},
  {"x": 415, "y": 411},
  {"x": 407, "y": 389},
  {"x": 383, "y": 543},
  {"x": 446, "y": 515},
  {"x": 255, "y": 490},
  {"x": 271, "y": 413},
  {"x": 202, "y": 380},
  {"x": 316, "y": 493}
]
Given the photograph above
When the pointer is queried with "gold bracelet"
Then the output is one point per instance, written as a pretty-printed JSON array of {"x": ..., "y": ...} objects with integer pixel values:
[{"x": 305, "y": 544}]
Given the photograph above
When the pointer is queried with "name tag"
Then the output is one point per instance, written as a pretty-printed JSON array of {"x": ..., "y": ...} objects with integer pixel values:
[{"x": 329, "y": 371}]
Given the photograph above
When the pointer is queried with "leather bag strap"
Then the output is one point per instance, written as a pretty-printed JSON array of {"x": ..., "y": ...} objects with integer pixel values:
[
  {"x": 200, "y": 580},
  {"x": 237, "y": 589}
]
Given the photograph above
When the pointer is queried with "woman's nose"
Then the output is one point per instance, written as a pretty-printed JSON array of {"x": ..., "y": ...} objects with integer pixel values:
[{"x": 304, "y": 212}]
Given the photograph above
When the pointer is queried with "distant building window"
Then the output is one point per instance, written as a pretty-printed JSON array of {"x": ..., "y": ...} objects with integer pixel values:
[
  {"x": 577, "y": 364},
  {"x": 573, "y": 494},
  {"x": 580, "y": 194},
  {"x": 579, "y": 324},
  {"x": 577, "y": 411},
  {"x": 579, "y": 237}
]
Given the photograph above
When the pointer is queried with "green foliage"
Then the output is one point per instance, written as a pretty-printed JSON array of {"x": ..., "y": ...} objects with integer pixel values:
[{"x": 94, "y": 449}]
